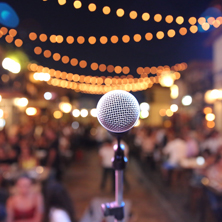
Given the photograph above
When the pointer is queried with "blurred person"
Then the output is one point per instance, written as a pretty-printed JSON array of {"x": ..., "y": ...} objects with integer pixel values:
[
  {"x": 25, "y": 205},
  {"x": 106, "y": 153},
  {"x": 192, "y": 145},
  {"x": 58, "y": 205},
  {"x": 27, "y": 160}
]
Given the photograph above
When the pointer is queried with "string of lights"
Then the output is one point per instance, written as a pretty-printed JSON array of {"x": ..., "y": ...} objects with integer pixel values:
[{"x": 106, "y": 10}]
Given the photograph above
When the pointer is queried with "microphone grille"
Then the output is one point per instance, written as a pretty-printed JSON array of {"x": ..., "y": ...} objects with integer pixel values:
[{"x": 118, "y": 111}]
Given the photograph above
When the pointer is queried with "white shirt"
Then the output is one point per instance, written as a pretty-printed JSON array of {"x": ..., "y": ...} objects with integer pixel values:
[
  {"x": 58, "y": 215},
  {"x": 177, "y": 151}
]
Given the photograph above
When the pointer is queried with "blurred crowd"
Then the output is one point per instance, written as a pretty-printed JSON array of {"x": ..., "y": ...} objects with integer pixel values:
[{"x": 33, "y": 154}]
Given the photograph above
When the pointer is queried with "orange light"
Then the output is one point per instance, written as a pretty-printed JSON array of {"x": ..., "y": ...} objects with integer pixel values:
[
  {"x": 205, "y": 26},
  {"x": 94, "y": 66},
  {"x": 216, "y": 23},
  {"x": 62, "y": 2},
  {"x": 69, "y": 39},
  {"x": 38, "y": 50},
  {"x": 83, "y": 64},
  {"x": 126, "y": 70},
  {"x": 207, "y": 110},
  {"x": 114, "y": 39},
  {"x": 139, "y": 70},
  {"x": 77, "y": 4},
  {"x": 193, "y": 29},
  {"x": 120, "y": 12},
  {"x": 74, "y": 62},
  {"x": 80, "y": 39},
  {"x": 125, "y": 38},
  {"x": 92, "y": 40},
  {"x": 169, "y": 19},
  {"x": 9, "y": 39},
  {"x": 137, "y": 37},
  {"x": 160, "y": 35},
  {"x": 192, "y": 20},
  {"x": 106, "y": 10},
  {"x": 47, "y": 53},
  {"x": 183, "y": 31},
  {"x": 65, "y": 59},
  {"x": 12, "y": 32},
  {"x": 145, "y": 16},
  {"x": 56, "y": 56},
  {"x": 210, "y": 124},
  {"x": 169, "y": 112},
  {"x": 102, "y": 67},
  {"x": 201, "y": 20},
  {"x": 179, "y": 20},
  {"x": 157, "y": 17},
  {"x": 110, "y": 68},
  {"x": 92, "y": 7},
  {"x": 4, "y": 30},
  {"x": 211, "y": 20},
  {"x": 162, "y": 112},
  {"x": 118, "y": 69},
  {"x": 148, "y": 36},
  {"x": 18, "y": 42},
  {"x": 133, "y": 14},
  {"x": 171, "y": 33},
  {"x": 43, "y": 37},
  {"x": 52, "y": 38},
  {"x": 59, "y": 39},
  {"x": 103, "y": 39}
]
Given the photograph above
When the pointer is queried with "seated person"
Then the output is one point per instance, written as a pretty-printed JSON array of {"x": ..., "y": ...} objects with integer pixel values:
[{"x": 25, "y": 205}]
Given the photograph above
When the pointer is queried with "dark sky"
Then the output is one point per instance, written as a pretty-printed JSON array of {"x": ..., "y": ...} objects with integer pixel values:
[{"x": 51, "y": 18}]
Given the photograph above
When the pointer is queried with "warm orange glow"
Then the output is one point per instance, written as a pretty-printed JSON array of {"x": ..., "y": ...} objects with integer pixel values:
[
  {"x": 118, "y": 69},
  {"x": 216, "y": 23},
  {"x": 171, "y": 33},
  {"x": 153, "y": 70},
  {"x": 114, "y": 39},
  {"x": 126, "y": 69},
  {"x": 62, "y": 2},
  {"x": 12, "y": 32},
  {"x": 139, "y": 70},
  {"x": 169, "y": 19},
  {"x": 179, "y": 20},
  {"x": 92, "y": 40},
  {"x": 110, "y": 68},
  {"x": 9, "y": 39},
  {"x": 37, "y": 50},
  {"x": 106, "y": 10},
  {"x": 148, "y": 36},
  {"x": 219, "y": 19},
  {"x": 133, "y": 14},
  {"x": 192, "y": 20},
  {"x": 201, "y": 20},
  {"x": 146, "y": 70},
  {"x": 157, "y": 17},
  {"x": 77, "y": 4},
  {"x": 211, "y": 20},
  {"x": 76, "y": 77},
  {"x": 56, "y": 56},
  {"x": 65, "y": 59},
  {"x": 167, "y": 123},
  {"x": 137, "y": 37},
  {"x": 92, "y": 7},
  {"x": 120, "y": 12},
  {"x": 125, "y": 38},
  {"x": 4, "y": 30},
  {"x": 102, "y": 67},
  {"x": 80, "y": 39},
  {"x": 169, "y": 112},
  {"x": 103, "y": 39},
  {"x": 177, "y": 75},
  {"x": 94, "y": 66},
  {"x": 162, "y": 112},
  {"x": 69, "y": 39},
  {"x": 205, "y": 26},
  {"x": 193, "y": 29},
  {"x": 74, "y": 62},
  {"x": 160, "y": 35},
  {"x": 210, "y": 124},
  {"x": 18, "y": 42},
  {"x": 183, "y": 31},
  {"x": 43, "y": 37},
  {"x": 83, "y": 64},
  {"x": 145, "y": 16},
  {"x": 52, "y": 38},
  {"x": 207, "y": 110},
  {"x": 47, "y": 53},
  {"x": 59, "y": 39}
]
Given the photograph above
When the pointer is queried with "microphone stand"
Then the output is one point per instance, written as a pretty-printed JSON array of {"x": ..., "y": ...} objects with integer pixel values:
[{"x": 119, "y": 161}]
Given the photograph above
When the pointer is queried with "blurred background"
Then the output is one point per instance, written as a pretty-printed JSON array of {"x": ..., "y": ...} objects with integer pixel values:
[{"x": 59, "y": 57}]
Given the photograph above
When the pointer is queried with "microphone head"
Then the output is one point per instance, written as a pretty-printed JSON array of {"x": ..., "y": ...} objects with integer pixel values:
[{"x": 118, "y": 111}]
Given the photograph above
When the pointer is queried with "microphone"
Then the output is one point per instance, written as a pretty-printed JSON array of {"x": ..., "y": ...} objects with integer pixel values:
[{"x": 118, "y": 111}]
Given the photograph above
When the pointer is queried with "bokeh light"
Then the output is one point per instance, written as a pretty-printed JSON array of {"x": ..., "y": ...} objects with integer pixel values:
[{"x": 187, "y": 100}]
